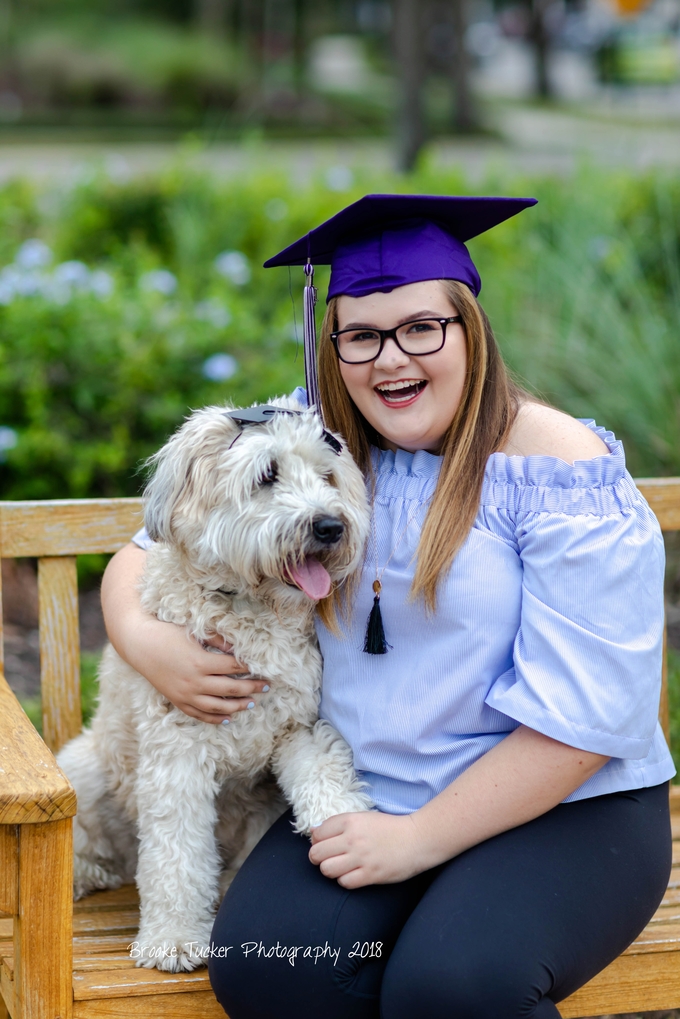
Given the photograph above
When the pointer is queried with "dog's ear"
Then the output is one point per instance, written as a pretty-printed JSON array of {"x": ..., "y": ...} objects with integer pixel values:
[{"x": 172, "y": 486}]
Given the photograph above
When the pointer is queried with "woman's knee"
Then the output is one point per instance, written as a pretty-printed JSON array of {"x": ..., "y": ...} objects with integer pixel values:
[{"x": 460, "y": 988}]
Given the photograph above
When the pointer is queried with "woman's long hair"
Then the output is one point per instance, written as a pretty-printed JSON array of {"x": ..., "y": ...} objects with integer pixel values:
[{"x": 487, "y": 409}]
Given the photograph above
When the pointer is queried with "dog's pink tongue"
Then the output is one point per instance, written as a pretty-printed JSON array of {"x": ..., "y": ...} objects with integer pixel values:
[{"x": 312, "y": 578}]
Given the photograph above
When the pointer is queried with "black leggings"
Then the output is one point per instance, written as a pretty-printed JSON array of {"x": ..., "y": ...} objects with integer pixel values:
[{"x": 504, "y": 930}]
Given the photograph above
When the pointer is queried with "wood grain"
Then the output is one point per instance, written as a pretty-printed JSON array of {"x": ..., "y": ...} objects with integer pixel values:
[
  {"x": 106, "y": 921},
  {"x": 9, "y": 868},
  {"x": 59, "y": 650},
  {"x": 42, "y": 930},
  {"x": 133, "y": 982},
  {"x": 6, "y": 998},
  {"x": 632, "y": 983},
  {"x": 664, "y": 708},
  {"x": 67, "y": 526},
  {"x": 2, "y": 634},
  {"x": 32, "y": 788},
  {"x": 663, "y": 495},
  {"x": 195, "y": 1005}
]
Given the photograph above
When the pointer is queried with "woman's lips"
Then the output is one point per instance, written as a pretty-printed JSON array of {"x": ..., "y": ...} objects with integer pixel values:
[{"x": 401, "y": 397}]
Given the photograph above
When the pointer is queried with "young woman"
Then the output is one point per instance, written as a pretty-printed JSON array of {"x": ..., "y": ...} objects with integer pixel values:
[{"x": 508, "y": 735}]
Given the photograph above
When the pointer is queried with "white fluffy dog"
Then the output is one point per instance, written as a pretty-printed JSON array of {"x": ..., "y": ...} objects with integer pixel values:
[{"x": 253, "y": 523}]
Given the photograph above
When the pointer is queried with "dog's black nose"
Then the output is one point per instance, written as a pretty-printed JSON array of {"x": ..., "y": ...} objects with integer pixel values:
[{"x": 328, "y": 530}]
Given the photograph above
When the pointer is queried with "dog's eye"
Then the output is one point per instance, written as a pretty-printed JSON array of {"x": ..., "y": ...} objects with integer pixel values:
[
  {"x": 269, "y": 476},
  {"x": 330, "y": 478}
]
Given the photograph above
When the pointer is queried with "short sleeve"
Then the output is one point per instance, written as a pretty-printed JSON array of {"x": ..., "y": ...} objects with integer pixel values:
[
  {"x": 588, "y": 653},
  {"x": 142, "y": 539}
]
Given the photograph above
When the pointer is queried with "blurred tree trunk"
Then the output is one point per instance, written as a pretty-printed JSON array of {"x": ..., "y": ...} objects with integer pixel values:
[
  {"x": 6, "y": 32},
  {"x": 408, "y": 57},
  {"x": 540, "y": 39},
  {"x": 465, "y": 118},
  {"x": 249, "y": 18},
  {"x": 212, "y": 15},
  {"x": 299, "y": 46}
]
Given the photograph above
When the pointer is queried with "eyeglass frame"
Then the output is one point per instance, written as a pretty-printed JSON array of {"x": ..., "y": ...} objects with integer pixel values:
[{"x": 391, "y": 334}]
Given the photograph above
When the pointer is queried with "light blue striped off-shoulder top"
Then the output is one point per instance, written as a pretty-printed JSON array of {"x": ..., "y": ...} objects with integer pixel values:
[{"x": 551, "y": 616}]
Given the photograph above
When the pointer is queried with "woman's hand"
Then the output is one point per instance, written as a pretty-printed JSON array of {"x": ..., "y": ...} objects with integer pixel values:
[
  {"x": 200, "y": 682},
  {"x": 368, "y": 848},
  {"x": 522, "y": 777}
]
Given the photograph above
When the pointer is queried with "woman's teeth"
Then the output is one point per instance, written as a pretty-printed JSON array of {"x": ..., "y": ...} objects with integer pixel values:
[{"x": 399, "y": 392}]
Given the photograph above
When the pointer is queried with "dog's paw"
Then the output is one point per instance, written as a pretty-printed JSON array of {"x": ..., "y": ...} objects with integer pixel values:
[
  {"x": 89, "y": 877},
  {"x": 179, "y": 954},
  {"x": 349, "y": 803}
]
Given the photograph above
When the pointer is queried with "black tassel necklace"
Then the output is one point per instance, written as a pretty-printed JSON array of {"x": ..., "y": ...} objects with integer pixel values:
[{"x": 375, "y": 642}]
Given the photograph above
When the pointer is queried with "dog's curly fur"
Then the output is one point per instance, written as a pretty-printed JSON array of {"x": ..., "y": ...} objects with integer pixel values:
[{"x": 177, "y": 802}]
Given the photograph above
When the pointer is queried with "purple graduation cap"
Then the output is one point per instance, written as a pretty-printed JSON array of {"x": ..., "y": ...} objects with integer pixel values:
[{"x": 387, "y": 241}]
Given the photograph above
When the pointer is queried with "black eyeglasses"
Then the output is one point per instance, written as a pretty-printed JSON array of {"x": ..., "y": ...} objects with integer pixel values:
[{"x": 420, "y": 337}]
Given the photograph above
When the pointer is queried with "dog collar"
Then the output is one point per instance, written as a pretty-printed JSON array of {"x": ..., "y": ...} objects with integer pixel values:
[{"x": 265, "y": 412}]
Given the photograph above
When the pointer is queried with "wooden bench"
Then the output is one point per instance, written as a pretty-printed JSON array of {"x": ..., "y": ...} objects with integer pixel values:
[{"x": 60, "y": 960}]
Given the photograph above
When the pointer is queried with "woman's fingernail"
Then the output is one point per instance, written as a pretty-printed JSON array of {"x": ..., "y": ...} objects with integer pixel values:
[
  {"x": 226, "y": 721},
  {"x": 265, "y": 687},
  {"x": 252, "y": 704}
]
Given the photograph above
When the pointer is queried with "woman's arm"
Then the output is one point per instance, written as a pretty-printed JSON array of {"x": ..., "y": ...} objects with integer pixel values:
[
  {"x": 522, "y": 777},
  {"x": 198, "y": 682}
]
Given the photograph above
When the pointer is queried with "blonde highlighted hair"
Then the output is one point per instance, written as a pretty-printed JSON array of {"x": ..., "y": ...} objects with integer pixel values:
[{"x": 487, "y": 409}]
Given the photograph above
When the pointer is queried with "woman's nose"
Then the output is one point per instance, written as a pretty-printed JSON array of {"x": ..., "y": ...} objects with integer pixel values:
[{"x": 391, "y": 357}]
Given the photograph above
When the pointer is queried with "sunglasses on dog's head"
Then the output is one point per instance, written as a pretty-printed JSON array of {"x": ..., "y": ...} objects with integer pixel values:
[{"x": 260, "y": 416}]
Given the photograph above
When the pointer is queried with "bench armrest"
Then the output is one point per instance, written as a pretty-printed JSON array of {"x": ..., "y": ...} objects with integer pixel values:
[{"x": 32, "y": 787}]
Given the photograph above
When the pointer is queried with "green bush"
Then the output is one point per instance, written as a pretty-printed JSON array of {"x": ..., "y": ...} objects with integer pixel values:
[
  {"x": 97, "y": 367},
  {"x": 133, "y": 63}
]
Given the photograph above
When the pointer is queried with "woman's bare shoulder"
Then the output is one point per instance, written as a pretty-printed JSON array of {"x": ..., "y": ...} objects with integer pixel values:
[{"x": 543, "y": 431}]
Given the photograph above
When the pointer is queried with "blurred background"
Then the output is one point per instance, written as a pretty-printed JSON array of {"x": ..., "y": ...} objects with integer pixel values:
[{"x": 154, "y": 152}]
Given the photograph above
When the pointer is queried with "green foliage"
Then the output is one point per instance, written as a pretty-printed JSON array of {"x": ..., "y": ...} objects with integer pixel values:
[
  {"x": 583, "y": 292},
  {"x": 74, "y": 63}
]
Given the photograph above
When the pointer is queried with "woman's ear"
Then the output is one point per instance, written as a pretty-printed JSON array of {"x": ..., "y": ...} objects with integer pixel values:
[{"x": 172, "y": 485}]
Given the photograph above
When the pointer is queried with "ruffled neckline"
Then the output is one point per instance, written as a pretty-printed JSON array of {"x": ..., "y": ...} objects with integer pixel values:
[{"x": 536, "y": 470}]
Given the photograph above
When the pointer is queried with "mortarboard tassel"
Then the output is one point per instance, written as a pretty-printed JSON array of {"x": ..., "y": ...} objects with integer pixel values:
[
  {"x": 375, "y": 642},
  {"x": 309, "y": 340}
]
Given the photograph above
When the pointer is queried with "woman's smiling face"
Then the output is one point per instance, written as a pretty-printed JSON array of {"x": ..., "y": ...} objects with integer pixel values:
[{"x": 418, "y": 412}]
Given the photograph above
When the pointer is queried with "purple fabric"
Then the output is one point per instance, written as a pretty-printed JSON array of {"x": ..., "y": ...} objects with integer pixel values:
[
  {"x": 396, "y": 257},
  {"x": 387, "y": 241}
]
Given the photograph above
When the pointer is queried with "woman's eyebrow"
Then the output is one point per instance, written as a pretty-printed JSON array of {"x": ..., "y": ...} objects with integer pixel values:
[{"x": 411, "y": 317}]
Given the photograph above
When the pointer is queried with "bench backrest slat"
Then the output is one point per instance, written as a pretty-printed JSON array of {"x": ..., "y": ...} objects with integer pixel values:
[
  {"x": 59, "y": 649},
  {"x": 67, "y": 526}
]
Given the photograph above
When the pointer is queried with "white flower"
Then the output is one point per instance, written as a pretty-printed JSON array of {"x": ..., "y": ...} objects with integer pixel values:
[
  {"x": 7, "y": 291},
  {"x": 339, "y": 178},
  {"x": 33, "y": 254},
  {"x": 219, "y": 367},
  {"x": 101, "y": 283},
  {"x": 234, "y": 266},
  {"x": 73, "y": 274},
  {"x": 160, "y": 280},
  {"x": 8, "y": 440},
  {"x": 214, "y": 312}
]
